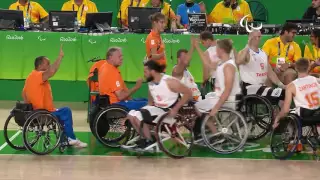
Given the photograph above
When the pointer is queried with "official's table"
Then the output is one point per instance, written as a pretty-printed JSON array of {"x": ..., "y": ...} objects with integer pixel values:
[{"x": 19, "y": 49}]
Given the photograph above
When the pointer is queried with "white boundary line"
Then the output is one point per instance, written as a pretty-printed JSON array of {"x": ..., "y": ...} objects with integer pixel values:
[{"x": 11, "y": 139}]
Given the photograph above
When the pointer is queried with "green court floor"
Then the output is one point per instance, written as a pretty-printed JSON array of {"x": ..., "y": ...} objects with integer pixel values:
[{"x": 257, "y": 150}]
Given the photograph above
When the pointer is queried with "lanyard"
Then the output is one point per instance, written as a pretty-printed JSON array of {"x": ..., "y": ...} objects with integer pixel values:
[
  {"x": 78, "y": 10},
  {"x": 131, "y": 3},
  {"x": 28, "y": 13},
  {"x": 279, "y": 50}
]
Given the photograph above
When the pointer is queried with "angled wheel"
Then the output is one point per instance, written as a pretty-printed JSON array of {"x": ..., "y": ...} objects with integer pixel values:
[
  {"x": 42, "y": 133},
  {"x": 111, "y": 127},
  {"x": 285, "y": 138},
  {"x": 13, "y": 133},
  {"x": 175, "y": 136},
  {"x": 226, "y": 132},
  {"x": 259, "y": 115}
]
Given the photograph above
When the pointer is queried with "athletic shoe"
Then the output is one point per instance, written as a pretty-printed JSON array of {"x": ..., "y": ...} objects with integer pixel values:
[{"x": 77, "y": 143}]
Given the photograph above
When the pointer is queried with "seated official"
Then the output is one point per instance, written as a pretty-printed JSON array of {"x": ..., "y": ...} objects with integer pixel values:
[
  {"x": 313, "y": 12},
  {"x": 112, "y": 85},
  {"x": 255, "y": 70},
  {"x": 181, "y": 72},
  {"x": 125, "y": 4},
  {"x": 37, "y": 91},
  {"x": 189, "y": 7},
  {"x": 305, "y": 92},
  {"x": 312, "y": 52},
  {"x": 282, "y": 53},
  {"x": 167, "y": 11},
  {"x": 82, "y": 7},
  {"x": 230, "y": 12},
  {"x": 31, "y": 10},
  {"x": 227, "y": 84},
  {"x": 94, "y": 86},
  {"x": 163, "y": 97}
]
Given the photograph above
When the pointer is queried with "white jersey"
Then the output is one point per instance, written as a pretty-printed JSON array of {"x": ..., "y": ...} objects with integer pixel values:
[
  {"x": 255, "y": 72},
  {"x": 219, "y": 83},
  {"x": 212, "y": 51},
  {"x": 188, "y": 80},
  {"x": 162, "y": 96},
  {"x": 307, "y": 93}
]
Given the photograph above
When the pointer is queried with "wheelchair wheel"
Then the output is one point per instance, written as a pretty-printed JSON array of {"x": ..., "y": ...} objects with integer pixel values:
[
  {"x": 42, "y": 133},
  {"x": 111, "y": 127},
  {"x": 258, "y": 112},
  {"x": 175, "y": 136},
  {"x": 13, "y": 133},
  {"x": 285, "y": 138},
  {"x": 226, "y": 132}
]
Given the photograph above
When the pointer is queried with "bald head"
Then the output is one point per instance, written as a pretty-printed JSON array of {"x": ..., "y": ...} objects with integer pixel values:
[
  {"x": 255, "y": 33},
  {"x": 254, "y": 38}
]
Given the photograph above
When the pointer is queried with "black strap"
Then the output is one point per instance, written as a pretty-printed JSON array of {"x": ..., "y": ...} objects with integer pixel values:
[
  {"x": 131, "y": 3},
  {"x": 279, "y": 50},
  {"x": 28, "y": 8},
  {"x": 78, "y": 10}
]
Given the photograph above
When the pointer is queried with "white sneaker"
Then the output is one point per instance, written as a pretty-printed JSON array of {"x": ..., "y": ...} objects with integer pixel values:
[{"x": 77, "y": 143}]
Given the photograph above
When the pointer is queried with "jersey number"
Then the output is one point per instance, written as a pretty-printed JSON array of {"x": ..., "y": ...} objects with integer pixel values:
[{"x": 313, "y": 99}]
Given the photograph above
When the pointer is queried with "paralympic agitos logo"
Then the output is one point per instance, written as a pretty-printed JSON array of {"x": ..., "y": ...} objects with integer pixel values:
[{"x": 249, "y": 27}]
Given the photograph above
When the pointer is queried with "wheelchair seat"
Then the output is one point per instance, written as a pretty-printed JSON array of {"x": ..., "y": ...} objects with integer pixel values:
[
  {"x": 20, "y": 112},
  {"x": 310, "y": 117}
]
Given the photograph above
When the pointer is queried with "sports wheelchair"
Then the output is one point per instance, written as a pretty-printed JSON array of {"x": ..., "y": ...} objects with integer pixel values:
[
  {"x": 107, "y": 121},
  {"x": 258, "y": 111},
  {"x": 293, "y": 131},
  {"x": 227, "y": 131},
  {"x": 229, "y": 125},
  {"x": 41, "y": 131},
  {"x": 173, "y": 136}
]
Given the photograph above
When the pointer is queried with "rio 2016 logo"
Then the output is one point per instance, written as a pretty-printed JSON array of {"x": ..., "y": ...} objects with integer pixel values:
[{"x": 249, "y": 27}]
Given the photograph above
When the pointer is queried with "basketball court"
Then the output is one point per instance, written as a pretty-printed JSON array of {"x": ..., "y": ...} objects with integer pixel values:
[{"x": 98, "y": 162}]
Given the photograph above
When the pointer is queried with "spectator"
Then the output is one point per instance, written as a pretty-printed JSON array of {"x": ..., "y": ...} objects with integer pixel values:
[
  {"x": 187, "y": 8},
  {"x": 313, "y": 12},
  {"x": 282, "y": 53},
  {"x": 125, "y": 4},
  {"x": 82, "y": 7},
  {"x": 166, "y": 10},
  {"x": 312, "y": 52},
  {"x": 230, "y": 11},
  {"x": 31, "y": 10}
]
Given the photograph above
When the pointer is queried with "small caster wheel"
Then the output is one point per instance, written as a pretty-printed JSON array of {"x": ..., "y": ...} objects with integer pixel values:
[{"x": 61, "y": 149}]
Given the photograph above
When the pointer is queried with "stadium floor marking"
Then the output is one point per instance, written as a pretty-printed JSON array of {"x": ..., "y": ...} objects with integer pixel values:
[{"x": 11, "y": 139}]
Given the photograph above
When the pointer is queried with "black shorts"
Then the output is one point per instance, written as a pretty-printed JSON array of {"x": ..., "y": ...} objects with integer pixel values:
[
  {"x": 274, "y": 95},
  {"x": 310, "y": 117}
]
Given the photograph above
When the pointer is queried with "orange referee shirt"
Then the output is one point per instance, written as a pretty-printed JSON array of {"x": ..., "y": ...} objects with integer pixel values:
[
  {"x": 154, "y": 41},
  {"x": 110, "y": 81}
]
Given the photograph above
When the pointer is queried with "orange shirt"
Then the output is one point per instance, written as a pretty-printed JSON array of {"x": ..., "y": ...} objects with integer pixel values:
[
  {"x": 38, "y": 93},
  {"x": 154, "y": 41},
  {"x": 110, "y": 81}
]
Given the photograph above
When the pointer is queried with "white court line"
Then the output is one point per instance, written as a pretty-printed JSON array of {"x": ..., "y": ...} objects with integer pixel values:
[{"x": 11, "y": 139}]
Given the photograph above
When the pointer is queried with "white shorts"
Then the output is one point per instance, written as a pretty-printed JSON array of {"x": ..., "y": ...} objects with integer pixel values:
[
  {"x": 211, "y": 100},
  {"x": 147, "y": 113}
]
